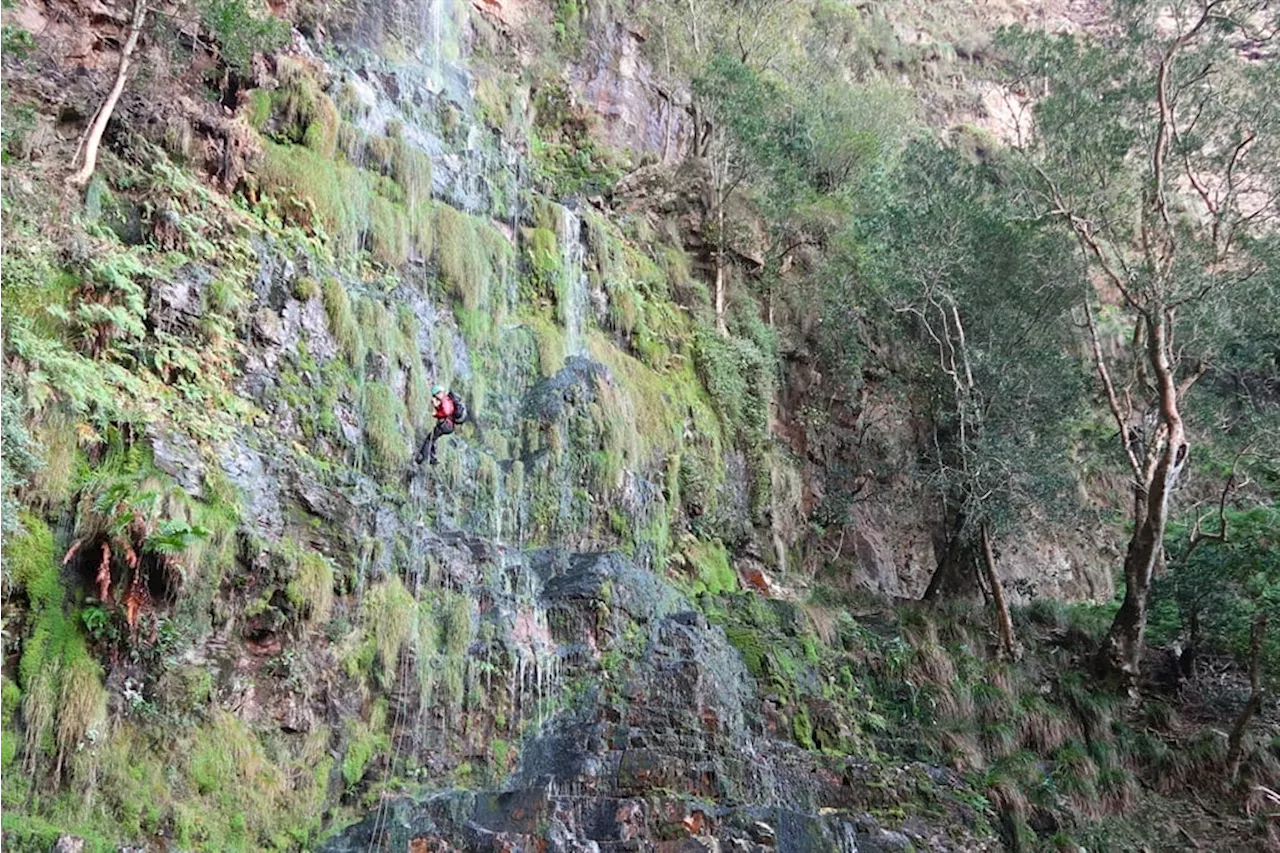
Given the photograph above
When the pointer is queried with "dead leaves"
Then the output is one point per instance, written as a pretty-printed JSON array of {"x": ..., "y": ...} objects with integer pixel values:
[{"x": 138, "y": 599}]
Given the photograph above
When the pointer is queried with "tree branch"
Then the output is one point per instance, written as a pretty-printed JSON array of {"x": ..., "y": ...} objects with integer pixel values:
[
  {"x": 1112, "y": 400},
  {"x": 1197, "y": 537},
  {"x": 99, "y": 126}
]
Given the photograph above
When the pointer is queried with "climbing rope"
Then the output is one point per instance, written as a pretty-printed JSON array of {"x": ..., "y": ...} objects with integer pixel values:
[{"x": 381, "y": 821}]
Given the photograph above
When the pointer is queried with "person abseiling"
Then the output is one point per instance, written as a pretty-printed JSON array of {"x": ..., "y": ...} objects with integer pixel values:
[{"x": 449, "y": 411}]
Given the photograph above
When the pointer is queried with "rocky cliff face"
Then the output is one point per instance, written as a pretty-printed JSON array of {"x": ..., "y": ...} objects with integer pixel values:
[{"x": 661, "y": 744}]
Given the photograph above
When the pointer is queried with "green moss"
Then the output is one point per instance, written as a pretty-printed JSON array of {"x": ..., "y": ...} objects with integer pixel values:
[
  {"x": 258, "y": 108},
  {"x": 365, "y": 740},
  {"x": 712, "y": 572},
  {"x": 378, "y": 331},
  {"x": 388, "y": 614},
  {"x": 501, "y": 751},
  {"x": 455, "y": 637},
  {"x": 29, "y": 558},
  {"x": 411, "y": 169},
  {"x": 548, "y": 338},
  {"x": 308, "y": 115},
  {"x": 306, "y": 288},
  {"x": 751, "y": 645},
  {"x": 26, "y": 834},
  {"x": 385, "y": 419},
  {"x": 318, "y": 193},
  {"x": 390, "y": 231},
  {"x": 542, "y": 256},
  {"x": 82, "y": 705},
  {"x": 8, "y": 749},
  {"x": 241, "y": 793},
  {"x": 51, "y": 484},
  {"x": 801, "y": 727}
]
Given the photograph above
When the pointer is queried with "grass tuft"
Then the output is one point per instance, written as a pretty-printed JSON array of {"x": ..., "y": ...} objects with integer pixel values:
[
  {"x": 385, "y": 419},
  {"x": 388, "y": 613},
  {"x": 342, "y": 322},
  {"x": 311, "y": 589}
]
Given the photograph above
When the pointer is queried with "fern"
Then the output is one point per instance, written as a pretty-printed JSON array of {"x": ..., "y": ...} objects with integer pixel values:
[{"x": 173, "y": 537}]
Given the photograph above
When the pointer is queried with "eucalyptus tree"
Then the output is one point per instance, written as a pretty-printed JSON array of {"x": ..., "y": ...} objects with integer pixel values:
[
  {"x": 1157, "y": 146},
  {"x": 984, "y": 294}
]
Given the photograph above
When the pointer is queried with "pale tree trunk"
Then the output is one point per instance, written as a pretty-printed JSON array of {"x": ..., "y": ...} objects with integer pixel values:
[
  {"x": 1257, "y": 692},
  {"x": 1004, "y": 622},
  {"x": 99, "y": 126},
  {"x": 1121, "y": 651}
]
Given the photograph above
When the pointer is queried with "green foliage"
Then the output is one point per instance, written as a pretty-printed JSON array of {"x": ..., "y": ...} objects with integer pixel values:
[
  {"x": 10, "y": 696},
  {"x": 464, "y": 257},
  {"x": 14, "y": 41},
  {"x": 240, "y": 33},
  {"x": 8, "y": 748},
  {"x": 239, "y": 794},
  {"x": 951, "y": 256},
  {"x": 259, "y": 108},
  {"x": 1224, "y": 593},
  {"x": 378, "y": 331},
  {"x": 18, "y": 456},
  {"x": 64, "y": 703},
  {"x": 738, "y": 377},
  {"x": 542, "y": 254},
  {"x": 565, "y": 154},
  {"x": 364, "y": 741},
  {"x": 389, "y": 613}
]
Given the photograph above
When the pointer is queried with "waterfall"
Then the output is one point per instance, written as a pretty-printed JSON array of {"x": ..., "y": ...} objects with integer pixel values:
[
  {"x": 572, "y": 297},
  {"x": 433, "y": 44}
]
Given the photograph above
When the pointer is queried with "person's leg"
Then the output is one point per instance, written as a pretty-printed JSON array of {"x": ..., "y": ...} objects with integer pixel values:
[
  {"x": 425, "y": 449},
  {"x": 442, "y": 428}
]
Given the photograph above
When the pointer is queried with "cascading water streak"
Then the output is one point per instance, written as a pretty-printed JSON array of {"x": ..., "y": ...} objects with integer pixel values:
[{"x": 573, "y": 295}]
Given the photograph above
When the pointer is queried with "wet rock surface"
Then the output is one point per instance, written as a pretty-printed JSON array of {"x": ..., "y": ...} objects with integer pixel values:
[{"x": 664, "y": 749}]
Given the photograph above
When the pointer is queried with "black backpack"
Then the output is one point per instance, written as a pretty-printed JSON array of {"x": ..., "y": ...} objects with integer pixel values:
[{"x": 459, "y": 408}]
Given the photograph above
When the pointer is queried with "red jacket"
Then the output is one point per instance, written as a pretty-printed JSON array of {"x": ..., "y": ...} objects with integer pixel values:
[{"x": 444, "y": 409}]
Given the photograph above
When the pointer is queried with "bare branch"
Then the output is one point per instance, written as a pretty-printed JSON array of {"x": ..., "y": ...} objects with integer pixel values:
[{"x": 1197, "y": 537}]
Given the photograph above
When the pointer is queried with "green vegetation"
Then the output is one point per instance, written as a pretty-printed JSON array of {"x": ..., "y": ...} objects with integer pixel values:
[
  {"x": 887, "y": 332},
  {"x": 240, "y": 33},
  {"x": 18, "y": 457},
  {"x": 385, "y": 419},
  {"x": 712, "y": 572},
  {"x": 14, "y": 41},
  {"x": 311, "y": 590},
  {"x": 364, "y": 741},
  {"x": 462, "y": 244}
]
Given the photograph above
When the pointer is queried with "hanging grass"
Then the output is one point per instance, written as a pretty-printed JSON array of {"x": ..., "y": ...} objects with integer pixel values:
[
  {"x": 388, "y": 614},
  {"x": 385, "y": 419},
  {"x": 311, "y": 589},
  {"x": 342, "y": 322}
]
